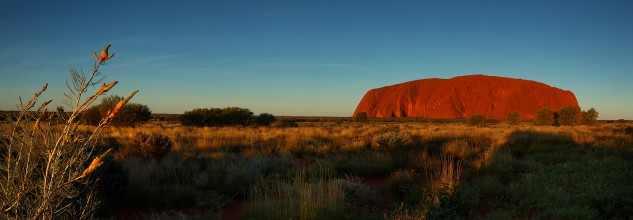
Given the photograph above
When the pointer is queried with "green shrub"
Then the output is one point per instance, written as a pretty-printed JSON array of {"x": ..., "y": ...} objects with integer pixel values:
[{"x": 240, "y": 175}]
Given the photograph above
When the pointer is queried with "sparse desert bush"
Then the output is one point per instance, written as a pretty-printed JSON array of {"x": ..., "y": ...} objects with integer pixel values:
[
  {"x": 514, "y": 118},
  {"x": 393, "y": 139},
  {"x": 545, "y": 116},
  {"x": 569, "y": 115},
  {"x": 590, "y": 117},
  {"x": 356, "y": 189},
  {"x": 112, "y": 179},
  {"x": 403, "y": 183},
  {"x": 265, "y": 119},
  {"x": 217, "y": 117},
  {"x": 459, "y": 149},
  {"x": 129, "y": 115},
  {"x": 476, "y": 119},
  {"x": 153, "y": 146},
  {"x": 360, "y": 117}
]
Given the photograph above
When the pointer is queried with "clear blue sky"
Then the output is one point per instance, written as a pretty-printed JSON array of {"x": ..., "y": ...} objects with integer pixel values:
[{"x": 314, "y": 58}]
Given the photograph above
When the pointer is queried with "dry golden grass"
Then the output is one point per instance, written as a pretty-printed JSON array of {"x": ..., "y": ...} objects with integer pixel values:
[
  {"x": 449, "y": 150},
  {"x": 353, "y": 136}
]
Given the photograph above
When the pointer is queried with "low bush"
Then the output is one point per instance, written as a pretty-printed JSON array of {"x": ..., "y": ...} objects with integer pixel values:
[
  {"x": 129, "y": 115},
  {"x": 217, "y": 117},
  {"x": 545, "y": 116},
  {"x": 590, "y": 117},
  {"x": 265, "y": 119},
  {"x": 401, "y": 182},
  {"x": 476, "y": 119},
  {"x": 628, "y": 130},
  {"x": 514, "y": 118},
  {"x": 112, "y": 179},
  {"x": 569, "y": 115},
  {"x": 361, "y": 117},
  {"x": 153, "y": 146},
  {"x": 393, "y": 139},
  {"x": 459, "y": 149}
]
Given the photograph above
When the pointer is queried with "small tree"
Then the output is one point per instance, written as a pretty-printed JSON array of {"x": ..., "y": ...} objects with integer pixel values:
[
  {"x": 91, "y": 116},
  {"x": 514, "y": 118},
  {"x": 569, "y": 115},
  {"x": 360, "y": 117},
  {"x": 130, "y": 114},
  {"x": 236, "y": 116},
  {"x": 590, "y": 116},
  {"x": 265, "y": 119},
  {"x": 545, "y": 116}
]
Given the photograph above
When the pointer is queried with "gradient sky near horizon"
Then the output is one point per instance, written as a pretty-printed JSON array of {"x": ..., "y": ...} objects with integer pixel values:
[{"x": 314, "y": 58}]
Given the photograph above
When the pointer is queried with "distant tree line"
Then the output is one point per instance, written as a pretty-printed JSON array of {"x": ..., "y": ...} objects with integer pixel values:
[
  {"x": 570, "y": 115},
  {"x": 225, "y": 117}
]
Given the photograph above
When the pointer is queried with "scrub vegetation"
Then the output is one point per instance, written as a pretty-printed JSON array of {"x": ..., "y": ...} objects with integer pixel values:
[{"x": 376, "y": 170}]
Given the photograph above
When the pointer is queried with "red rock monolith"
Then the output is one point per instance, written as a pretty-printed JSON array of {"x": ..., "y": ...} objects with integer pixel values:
[{"x": 463, "y": 96}]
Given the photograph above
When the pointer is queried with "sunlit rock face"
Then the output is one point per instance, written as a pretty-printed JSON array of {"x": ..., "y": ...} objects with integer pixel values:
[{"x": 463, "y": 96}]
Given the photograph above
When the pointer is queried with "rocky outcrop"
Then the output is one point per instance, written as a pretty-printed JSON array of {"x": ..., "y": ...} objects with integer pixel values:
[{"x": 463, "y": 96}]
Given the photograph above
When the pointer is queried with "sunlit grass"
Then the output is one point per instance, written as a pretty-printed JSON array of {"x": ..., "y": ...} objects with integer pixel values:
[{"x": 421, "y": 170}]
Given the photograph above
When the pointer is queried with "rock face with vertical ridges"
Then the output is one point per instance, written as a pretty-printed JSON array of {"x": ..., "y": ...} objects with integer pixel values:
[{"x": 463, "y": 96}]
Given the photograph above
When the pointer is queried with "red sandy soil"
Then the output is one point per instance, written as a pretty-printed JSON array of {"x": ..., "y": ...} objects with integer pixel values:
[
  {"x": 463, "y": 96},
  {"x": 233, "y": 210}
]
